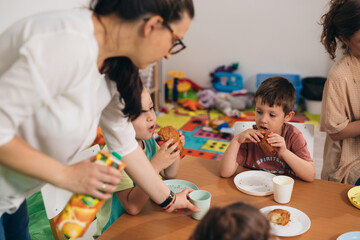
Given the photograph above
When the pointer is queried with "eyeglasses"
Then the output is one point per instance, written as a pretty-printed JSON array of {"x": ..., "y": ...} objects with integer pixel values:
[{"x": 178, "y": 45}]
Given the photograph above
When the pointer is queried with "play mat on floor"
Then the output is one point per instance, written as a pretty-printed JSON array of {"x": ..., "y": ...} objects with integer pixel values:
[{"x": 211, "y": 145}]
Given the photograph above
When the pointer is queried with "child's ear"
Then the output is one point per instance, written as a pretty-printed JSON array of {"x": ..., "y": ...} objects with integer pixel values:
[{"x": 289, "y": 116}]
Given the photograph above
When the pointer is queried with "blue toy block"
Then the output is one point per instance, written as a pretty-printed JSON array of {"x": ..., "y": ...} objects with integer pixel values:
[
  {"x": 293, "y": 78},
  {"x": 228, "y": 82}
]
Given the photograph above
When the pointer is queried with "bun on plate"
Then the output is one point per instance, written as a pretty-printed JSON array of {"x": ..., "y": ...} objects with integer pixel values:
[{"x": 279, "y": 216}]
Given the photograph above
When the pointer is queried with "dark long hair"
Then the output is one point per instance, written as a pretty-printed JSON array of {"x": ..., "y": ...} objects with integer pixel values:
[
  {"x": 121, "y": 69},
  {"x": 238, "y": 221},
  {"x": 342, "y": 20}
]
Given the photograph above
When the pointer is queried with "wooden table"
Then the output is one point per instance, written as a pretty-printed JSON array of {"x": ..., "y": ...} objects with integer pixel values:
[{"x": 325, "y": 203}]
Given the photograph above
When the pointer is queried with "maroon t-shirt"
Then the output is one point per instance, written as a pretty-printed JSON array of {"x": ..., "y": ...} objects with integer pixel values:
[{"x": 252, "y": 155}]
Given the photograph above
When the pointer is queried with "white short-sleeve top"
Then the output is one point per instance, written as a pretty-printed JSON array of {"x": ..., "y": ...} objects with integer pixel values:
[{"x": 53, "y": 96}]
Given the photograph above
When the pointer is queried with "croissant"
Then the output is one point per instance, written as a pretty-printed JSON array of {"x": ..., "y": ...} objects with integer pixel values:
[
  {"x": 279, "y": 216},
  {"x": 265, "y": 145},
  {"x": 168, "y": 132}
]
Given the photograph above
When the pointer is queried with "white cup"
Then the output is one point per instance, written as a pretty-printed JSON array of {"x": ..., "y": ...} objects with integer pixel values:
[
  {"x": 283, "y": 186},
  {"x": 201, "y": 199}
]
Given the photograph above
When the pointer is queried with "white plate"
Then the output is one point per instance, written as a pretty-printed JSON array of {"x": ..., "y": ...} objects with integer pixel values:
[
  {"x": 299, "y": 222},
  {"x": 349, "y": 236},
  {"x": 257, "y": 183}
]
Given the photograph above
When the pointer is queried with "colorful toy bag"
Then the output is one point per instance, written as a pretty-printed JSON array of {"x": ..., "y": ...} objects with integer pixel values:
[{"x": 81, "y": 209}]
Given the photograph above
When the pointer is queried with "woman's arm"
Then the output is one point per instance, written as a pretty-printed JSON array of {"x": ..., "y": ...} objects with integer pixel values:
[
  {"x": 141, "y": 171},
  {"x": 350, "y": 131},
  {"x": 84, "y": 177}
]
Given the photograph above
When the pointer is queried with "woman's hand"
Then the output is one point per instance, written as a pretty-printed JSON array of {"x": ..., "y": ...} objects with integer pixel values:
[
  {"x": 165, "y": 156},
  {"x": 90, "y": 178},
  {"x": 182, "y": 202}
]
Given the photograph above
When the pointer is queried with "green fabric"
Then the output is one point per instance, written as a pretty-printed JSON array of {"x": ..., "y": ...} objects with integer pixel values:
[{"x": 39, "y": 225}]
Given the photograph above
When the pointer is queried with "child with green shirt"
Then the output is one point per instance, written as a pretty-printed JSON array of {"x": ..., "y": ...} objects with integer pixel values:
[{"x": 128, "y": 197}]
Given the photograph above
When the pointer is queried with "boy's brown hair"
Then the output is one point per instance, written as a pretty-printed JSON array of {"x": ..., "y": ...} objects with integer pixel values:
[
  {"x": 233, "y": 222},
  {"x": 277, "y": 91}
]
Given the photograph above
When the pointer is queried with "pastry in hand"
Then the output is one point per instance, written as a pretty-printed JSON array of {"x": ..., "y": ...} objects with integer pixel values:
[
  {"x": 279, "y": 216},
  {"x": 264, "y": 143},
  {"x": 168, "y": 132}
]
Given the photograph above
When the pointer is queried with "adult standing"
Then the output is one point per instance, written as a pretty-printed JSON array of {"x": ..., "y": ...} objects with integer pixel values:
[
  {"x": 340, "y": 114},
  {"x": 64, "y": 72}
]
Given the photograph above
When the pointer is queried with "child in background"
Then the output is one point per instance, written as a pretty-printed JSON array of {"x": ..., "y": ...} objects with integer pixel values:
[
  {"x": 236, "y": 221},
  {"x": 164, "y": 159},
  {"x": 275, "y": 100},
  {"x": 340, "y": 113}
]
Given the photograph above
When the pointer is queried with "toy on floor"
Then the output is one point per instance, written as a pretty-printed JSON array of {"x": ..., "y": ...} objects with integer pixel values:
[
  {"x": 220, "y": 122},
  {"x": 227, "y": 103},
  {"x": 230, "y": 104},
  {"x": 228, "y": 82},
  {"x": 190, "y": 104},
  {"x": 180, "y": 88},
  {"x": 207, "y": 98},
  {"x": 229, "y": 69}
]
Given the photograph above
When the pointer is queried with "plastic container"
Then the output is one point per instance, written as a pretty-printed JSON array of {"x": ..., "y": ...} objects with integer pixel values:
[
  {"x": 313, "y": 106},
  {"x": 293, "y": 78},
  {"x": 81, "y": 209}
]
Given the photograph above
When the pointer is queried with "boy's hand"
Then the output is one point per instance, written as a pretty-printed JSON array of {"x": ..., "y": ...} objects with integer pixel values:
[
  {"x": 277, "y": 141},
  {"x": 165, "y": 156},
  {"x": 182, "y": 138},
  {"x": 249, "y": 135}
]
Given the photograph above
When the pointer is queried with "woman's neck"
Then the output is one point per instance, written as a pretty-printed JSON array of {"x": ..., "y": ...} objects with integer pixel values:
[{"x": 109, "y": 32}]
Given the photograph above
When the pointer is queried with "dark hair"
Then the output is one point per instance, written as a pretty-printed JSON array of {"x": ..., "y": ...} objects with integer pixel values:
[
  {"x": 277, "y": 91},
  {"x": 342, "y": 20},
  {"x": 238, "y": 221},
  {"x": 121, "y": 69}
]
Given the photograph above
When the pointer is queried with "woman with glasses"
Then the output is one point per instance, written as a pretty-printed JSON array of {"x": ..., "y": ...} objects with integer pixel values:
[{"x": 63, "y": 73}]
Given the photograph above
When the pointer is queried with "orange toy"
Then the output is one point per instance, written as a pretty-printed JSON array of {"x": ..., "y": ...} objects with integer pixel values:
[{"x": 190, "y": 104}]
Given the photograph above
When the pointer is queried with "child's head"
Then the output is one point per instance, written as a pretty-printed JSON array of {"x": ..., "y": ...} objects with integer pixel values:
[
  {"x": 275, "y": 101},
  {"x": 144, "y": 124},
  {"x": 236, "y": 221}
]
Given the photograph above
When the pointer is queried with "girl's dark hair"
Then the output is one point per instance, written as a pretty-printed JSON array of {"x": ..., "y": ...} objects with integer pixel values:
[
  {"x": 121, "y": 69},
  {"x": 277, "y": 91},
  {"x": 342, "y": 20},
  {"x": 238, "y": 221}
]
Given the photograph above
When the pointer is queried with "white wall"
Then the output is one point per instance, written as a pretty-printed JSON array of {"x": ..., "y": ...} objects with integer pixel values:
[
  {"x": 268, "y": 36},
  {"x": 264, "y": 36},
  {"x": 13, "y": 10}
]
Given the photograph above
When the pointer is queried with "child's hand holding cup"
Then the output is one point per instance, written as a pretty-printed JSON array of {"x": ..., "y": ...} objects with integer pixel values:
[{"x": 201, "y": 199}]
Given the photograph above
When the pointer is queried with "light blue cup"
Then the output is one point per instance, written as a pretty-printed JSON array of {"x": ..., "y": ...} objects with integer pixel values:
[{"x": 201, "y": 199}]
